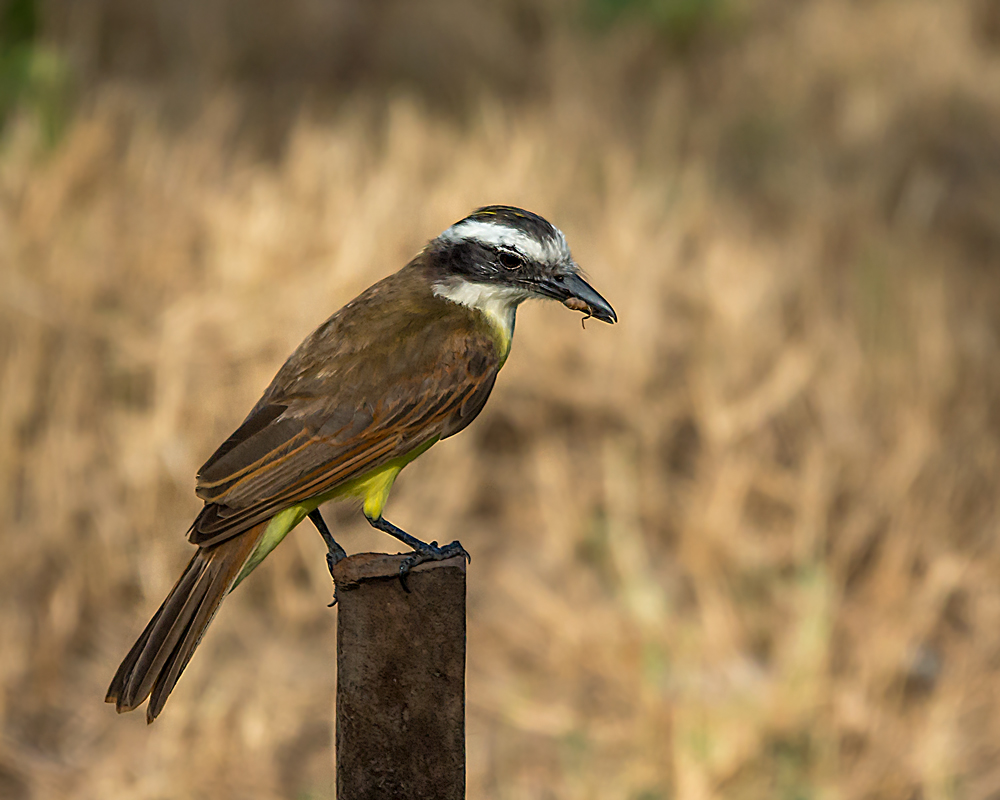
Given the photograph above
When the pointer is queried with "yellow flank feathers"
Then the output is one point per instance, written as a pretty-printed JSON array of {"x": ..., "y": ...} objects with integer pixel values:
[
  {"x": 279, "y": 526},
  {"x": 503, "y": 334},
  {"x": 373, "y": 488}
]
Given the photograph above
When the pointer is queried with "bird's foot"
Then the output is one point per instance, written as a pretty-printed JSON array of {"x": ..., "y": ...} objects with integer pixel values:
[
  {"x": 422, "y": 551},
  {"x": 430, "y": 552},
  {"x": 332, "y": 559},
  {"x": 334, "y": 552}
]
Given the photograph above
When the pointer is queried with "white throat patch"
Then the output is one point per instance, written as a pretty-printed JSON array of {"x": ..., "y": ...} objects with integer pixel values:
[{"x": 497, "y": 303}]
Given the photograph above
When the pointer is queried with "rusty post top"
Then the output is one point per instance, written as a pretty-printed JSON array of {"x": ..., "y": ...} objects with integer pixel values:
[{"x": 363, "y": 567}]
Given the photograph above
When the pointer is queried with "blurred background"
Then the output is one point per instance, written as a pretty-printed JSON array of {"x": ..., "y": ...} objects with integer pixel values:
[{"x": 741, "y": 545}]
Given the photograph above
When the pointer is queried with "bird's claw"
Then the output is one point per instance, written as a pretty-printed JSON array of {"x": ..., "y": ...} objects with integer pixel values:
[
  {"x": 431, "y": 553},
  {"x": 332, "y": 559}
]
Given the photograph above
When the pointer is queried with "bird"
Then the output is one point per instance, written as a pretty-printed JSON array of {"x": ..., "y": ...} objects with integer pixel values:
[{"x": 408, "y": 362}]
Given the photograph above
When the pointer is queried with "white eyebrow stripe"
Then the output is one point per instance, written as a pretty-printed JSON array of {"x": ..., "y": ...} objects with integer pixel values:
[{"x": 492, "y": 234}]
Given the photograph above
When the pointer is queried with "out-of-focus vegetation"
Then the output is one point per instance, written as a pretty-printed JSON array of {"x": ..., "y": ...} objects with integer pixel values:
[
  {"x": 743, "y": 544},
  {"x": 678, "y": 22},
  {"x": 33, "y": 78}
]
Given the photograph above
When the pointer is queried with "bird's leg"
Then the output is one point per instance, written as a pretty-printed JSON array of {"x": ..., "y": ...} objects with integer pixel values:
[
  {"x": 422, "y": 551},
  {"x": 334, "y": 551}
]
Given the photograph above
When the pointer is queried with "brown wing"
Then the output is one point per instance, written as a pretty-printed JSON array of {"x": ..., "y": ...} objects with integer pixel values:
[{"x": 383, "y": 376}]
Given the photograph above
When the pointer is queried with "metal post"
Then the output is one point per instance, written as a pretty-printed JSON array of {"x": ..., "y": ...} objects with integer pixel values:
[{"x": 400, "y": 680}]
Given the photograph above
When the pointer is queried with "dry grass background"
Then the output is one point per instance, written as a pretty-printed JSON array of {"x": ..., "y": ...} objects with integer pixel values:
[{"x": 743, "y": 544}]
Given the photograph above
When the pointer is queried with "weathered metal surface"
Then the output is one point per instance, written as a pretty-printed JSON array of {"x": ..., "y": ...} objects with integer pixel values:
[{"x": 400, "y": 680}]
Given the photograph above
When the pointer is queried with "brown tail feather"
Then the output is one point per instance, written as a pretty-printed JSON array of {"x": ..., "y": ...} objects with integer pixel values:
[{"x": 159, "y": 656}]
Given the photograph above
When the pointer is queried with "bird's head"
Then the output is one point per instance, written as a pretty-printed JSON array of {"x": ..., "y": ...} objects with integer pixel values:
[{"x": 501, "y": 256}]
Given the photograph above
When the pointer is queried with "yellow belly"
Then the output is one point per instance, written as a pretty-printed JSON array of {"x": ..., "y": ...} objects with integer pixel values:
[{"x": 373, "y": 488}]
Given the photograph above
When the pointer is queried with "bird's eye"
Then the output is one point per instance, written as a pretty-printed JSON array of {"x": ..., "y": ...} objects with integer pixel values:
[{"x": 509, "y": 260}]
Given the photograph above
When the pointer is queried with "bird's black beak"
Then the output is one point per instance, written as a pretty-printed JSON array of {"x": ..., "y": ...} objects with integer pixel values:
[{"x": 577, "y": 294}]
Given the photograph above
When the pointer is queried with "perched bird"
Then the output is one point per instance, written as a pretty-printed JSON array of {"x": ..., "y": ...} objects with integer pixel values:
[{"x": 408, "y": 362}]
